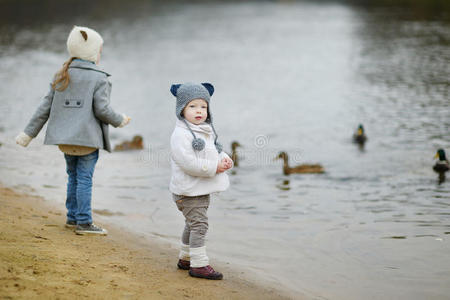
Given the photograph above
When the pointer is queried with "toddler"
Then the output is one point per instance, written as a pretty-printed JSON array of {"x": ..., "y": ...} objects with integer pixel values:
[{"x": 198, "y": 169}]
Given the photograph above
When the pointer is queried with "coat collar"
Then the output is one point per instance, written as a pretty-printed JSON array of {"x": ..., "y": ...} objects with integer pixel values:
[
  {"x": 203, "y": 128},
  {"x": 87, "y": 65}
]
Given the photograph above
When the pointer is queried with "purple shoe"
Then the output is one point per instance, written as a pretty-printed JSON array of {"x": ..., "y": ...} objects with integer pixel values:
[
  {"x": 205, "y": 272},
  {"x": 183, "y": 264}
]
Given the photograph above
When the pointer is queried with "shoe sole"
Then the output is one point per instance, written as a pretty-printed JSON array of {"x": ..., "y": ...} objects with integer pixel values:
[
  {"x": 206, "y": 277},
  {"x": 90, "y": 233},
  {"x": 70, "y": 226},
  {"x": 182, "y": 267}
]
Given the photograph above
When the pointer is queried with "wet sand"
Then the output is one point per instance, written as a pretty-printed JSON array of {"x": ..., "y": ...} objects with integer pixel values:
[{"x": 40, "y": 258}]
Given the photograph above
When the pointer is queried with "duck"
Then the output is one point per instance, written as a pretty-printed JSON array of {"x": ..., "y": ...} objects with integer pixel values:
[
  {"x": 442, "y": 165},
  {"x": 135, "y": 144},
  {"x": 300, "y": 169},
  {"x": 360, "y": 137},
  {"x": 234, "y": 155}
]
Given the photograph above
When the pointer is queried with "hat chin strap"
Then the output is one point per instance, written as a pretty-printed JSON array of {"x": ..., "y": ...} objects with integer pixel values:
[
  {"x": 198, "y": 143},
  {"x": 218, "y": 145}
]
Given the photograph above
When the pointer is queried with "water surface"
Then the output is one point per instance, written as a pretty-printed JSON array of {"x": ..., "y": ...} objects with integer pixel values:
[{"x": 296, "y": 77}]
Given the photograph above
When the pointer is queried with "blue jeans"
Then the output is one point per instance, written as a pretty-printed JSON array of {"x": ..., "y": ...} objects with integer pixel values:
[{"x": 79, "y": 187}]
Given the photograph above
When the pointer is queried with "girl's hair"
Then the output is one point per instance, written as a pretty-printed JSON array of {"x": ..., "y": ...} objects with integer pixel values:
[{"x": 62, "y": 78}]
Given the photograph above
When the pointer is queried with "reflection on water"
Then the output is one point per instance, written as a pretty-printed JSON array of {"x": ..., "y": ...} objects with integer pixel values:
[
  {"x": 297, "y": 77},
  {"x": 441, "y": 178},
  {"x": 284, "y": 186}
]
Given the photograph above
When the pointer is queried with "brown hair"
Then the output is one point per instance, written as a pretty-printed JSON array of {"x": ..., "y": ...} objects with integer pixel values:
[{"x": 62, "y": 78}]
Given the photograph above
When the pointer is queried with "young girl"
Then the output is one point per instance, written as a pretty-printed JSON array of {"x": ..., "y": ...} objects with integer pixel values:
[
  {"x": 198, "y": 169},
  {"x": 78, "y": 113}
]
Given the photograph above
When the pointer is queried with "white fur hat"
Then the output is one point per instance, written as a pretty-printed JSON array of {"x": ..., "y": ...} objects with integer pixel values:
[{"x": 84, "y": 43}]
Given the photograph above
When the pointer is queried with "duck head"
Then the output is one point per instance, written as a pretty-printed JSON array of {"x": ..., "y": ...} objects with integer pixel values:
[
  {"x": 441, "y": 155},
  {"x": 282, "y": 155},
  {"x": 360, "y": 130},
  {"x": 137, "y": 139},
  {"x": 234, "y": 145}
]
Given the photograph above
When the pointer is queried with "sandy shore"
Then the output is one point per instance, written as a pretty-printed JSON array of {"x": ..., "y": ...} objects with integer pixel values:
[{"x": 40, "y": 258}]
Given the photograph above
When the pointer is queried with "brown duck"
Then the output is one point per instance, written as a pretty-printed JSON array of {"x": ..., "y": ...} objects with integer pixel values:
[
  {"x": 234, "y": 155},
  {"x": 303, "y": 169},
  {"x": 135, "y": 144}
]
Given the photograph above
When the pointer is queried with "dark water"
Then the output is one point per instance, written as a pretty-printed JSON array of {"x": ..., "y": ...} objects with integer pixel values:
[{"x": 296, "y": 77}]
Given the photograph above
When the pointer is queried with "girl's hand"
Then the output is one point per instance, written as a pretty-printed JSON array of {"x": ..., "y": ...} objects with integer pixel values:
[
  {"x": 23, "y": 139},
  {"x": 125, "y": 121}
]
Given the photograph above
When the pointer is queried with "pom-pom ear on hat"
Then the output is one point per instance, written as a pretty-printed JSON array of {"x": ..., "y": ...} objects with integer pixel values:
[
  {"x": 84, "y": 34},
  {"x": 174, "y": 88},
  {"x": 209, "y": 87},
  {"x": 84, "y": 43}
]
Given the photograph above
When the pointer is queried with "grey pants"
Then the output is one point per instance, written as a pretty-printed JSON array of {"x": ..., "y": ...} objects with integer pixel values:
[{"x": 194, "y": 211}]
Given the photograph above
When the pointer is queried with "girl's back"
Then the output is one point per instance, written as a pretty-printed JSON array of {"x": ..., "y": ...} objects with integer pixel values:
[{"x": 80, "y": 111}]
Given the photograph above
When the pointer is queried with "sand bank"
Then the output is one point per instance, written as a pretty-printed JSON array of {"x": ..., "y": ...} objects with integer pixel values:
[{"x": 40, "y": 258}]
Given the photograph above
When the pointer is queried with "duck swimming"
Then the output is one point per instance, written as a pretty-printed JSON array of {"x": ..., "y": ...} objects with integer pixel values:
[
  {"x": 441, "y": 165},
  {"x": 360, "y": 137},
  {"x": 301, "y": 169},
  {"x": 234, "y": 156},
  {"x": 135, "y": 144}
]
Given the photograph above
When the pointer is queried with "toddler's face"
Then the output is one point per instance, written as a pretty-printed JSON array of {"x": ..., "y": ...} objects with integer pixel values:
[{"x": 196, "y": 111}]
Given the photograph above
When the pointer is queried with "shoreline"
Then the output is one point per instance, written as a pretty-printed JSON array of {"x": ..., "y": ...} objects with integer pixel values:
[{"x": 40, "y": 258}]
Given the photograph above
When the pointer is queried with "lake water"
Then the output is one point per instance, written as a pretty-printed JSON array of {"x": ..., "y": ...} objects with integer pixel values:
[{"x": 289, "y": 76}]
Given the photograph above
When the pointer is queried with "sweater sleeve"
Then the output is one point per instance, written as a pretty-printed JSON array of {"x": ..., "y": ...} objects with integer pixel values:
[
  {"x": 187, "y": 159},
  {"x": 102, "y": 109},
  {"x": 41, "y": 115}
]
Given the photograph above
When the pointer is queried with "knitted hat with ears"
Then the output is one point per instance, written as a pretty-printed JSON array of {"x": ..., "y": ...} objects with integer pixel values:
[
  {"x": 187, "y": 92},
  {"x": 84, "y": 43}
]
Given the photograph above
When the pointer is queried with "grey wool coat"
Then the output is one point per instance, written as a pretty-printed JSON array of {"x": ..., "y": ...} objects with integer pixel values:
[{"x": 80, "y": 114}]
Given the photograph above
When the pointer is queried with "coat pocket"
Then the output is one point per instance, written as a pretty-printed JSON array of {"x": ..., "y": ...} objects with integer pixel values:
[{"x": 73, "y": 103}]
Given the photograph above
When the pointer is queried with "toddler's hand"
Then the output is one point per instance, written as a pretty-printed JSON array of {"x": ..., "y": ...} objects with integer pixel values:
[
  {"x": 125, "y": 120},
  {"x": 228, "y": 162},
  {"x": 23, "y": 139},
  {"x": 224, "y": 165},
  {"x": 221, "y": 167}
]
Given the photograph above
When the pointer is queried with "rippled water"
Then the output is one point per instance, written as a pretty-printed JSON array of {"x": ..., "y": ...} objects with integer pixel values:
[{"x": 295, "y": 77}]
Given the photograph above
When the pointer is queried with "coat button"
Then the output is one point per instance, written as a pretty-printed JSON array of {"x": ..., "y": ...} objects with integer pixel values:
[
  {"x": 67, "y": 102},
  {"x": 78, "y": 102},
  {"x": 205, "y": 168}
]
